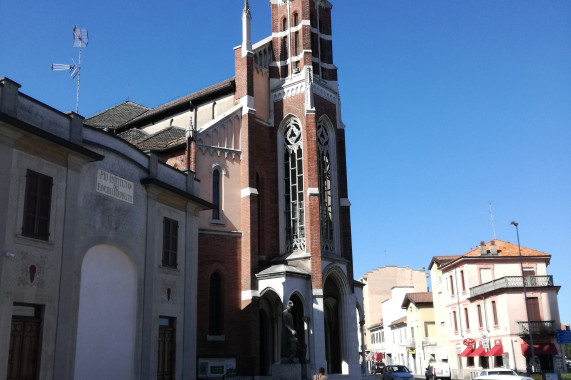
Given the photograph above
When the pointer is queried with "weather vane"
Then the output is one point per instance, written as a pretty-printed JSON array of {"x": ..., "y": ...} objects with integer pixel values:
[{"x": 80, "y": 39}]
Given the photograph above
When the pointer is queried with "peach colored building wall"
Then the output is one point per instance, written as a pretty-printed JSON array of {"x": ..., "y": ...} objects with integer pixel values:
[
  {"x": 378, "y": 284},
  {"x": 230, "y": 190},
  {"x": 509, "y": 303}
]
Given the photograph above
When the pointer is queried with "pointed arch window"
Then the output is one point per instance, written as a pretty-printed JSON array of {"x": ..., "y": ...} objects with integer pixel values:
[
  {"x": 284, "y": 41},
  {"x": 216, "y": 194},
  {"x": 296, "y": 35},
  {"x": 294, "y": 209},
  {"x": 218, "y": 172},
  {"x": 215, "y": 314},
  {"x": 325, "y": 188}
]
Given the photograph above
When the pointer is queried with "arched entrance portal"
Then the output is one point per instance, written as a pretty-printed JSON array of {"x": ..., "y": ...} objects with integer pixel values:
[
  {"x": 333, "y": 323},
  {"x": 299, "y": 326},
  {"x": 270, "y": 310},
  {"x": 107, "y": 315}
]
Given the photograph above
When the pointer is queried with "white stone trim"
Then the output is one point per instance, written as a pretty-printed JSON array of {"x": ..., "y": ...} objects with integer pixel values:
[
  {"x": 323, "y": 64},
  {"x": 249, "y": 294},
  {"x": 317, "y": 292},
  {"x": 221, "y": 167},
  {"x": 344, "y": 202},
  {"x": 246, "y": 192},
  {"x": 312, "y": 191},
  {"x": 247, "y": 103},
  {"x": 298, "y": 57}
]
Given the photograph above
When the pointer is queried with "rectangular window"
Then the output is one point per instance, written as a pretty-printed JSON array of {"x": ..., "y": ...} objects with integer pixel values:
[
  {"x": 451, "y": 286},
  {"x": 37, "y": 206},
  {"x": 495, "y": 313},
  {"x": 170, "y": 242},
  {"x": 166, "y": 356},
  {"x": 470, "y": 361},
  {"x": 455, "y": 322},
  {"x": 480, "y": 323},
  {"x": 467, "y": 319},
  {"x": 462, "y": 281}
]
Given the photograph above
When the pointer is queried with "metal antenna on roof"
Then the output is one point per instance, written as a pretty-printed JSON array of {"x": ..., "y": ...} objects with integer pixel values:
[
  {"x": 80, "y": 39},
  {"x": 492, "y": 220}
]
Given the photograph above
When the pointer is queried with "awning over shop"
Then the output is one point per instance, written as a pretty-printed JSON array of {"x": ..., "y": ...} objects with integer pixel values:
[
  {"x": 467, "y": 352},
  {"x": 539, "y": 349},
  {"x": 496, "y": 351},
  {"x": 480, "y": 351}
]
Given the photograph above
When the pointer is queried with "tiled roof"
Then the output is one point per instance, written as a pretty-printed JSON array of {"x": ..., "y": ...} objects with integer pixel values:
[
  {"x": 228, "y": 84},
  {"x": 417, "y": 298},
  {"x": 420, "y": 297},
  {"x": 401, "y": 320},
  {"x": 506, "y": 248},
  {"x": 163, "y": 139},
  {"x": 133, "y": 135},
  {"x": 117, "y": 116},
  {"x": 442, "y": 260},
  {"x": 503, "y": 248}
]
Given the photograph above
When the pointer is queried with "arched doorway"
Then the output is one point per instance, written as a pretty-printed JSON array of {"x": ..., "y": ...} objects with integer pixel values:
[
  {"x": 299, "y": 326},
  {"x": 332, "y": 319},
  {"x": 269, "y": 312},
  {"x": 107, "y": 315}
]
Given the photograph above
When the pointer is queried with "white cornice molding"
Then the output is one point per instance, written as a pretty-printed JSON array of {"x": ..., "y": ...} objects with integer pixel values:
[
  {"x": 312, "y": 191},
  {"x": 248, "y": 191},
  {"x": 249, "y": 294}
]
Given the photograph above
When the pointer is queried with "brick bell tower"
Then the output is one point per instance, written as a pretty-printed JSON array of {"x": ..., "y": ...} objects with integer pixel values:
[{"x": 295, "y": 218}]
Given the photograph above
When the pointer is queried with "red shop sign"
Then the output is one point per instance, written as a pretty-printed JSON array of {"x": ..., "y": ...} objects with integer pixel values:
[{"x": 469, "y": 342}]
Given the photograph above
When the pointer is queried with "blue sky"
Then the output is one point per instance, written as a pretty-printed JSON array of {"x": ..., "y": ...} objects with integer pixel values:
[{"x": 449, "y": 105}]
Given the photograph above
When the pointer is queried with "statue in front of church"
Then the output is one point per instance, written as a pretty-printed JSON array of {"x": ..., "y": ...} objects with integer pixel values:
[{"x": 289, "y": 338}]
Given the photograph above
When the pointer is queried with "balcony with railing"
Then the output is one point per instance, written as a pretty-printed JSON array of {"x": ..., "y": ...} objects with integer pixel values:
[
  {"x": 537, "y": 328},
  {"x": 512, "y": 282},
  {"x": 410, "y": 343},
  {"x": 429, "y": 341}
]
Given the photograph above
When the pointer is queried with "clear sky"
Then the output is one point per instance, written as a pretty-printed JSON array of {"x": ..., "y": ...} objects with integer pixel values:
[{"x": 449, "y": 105}]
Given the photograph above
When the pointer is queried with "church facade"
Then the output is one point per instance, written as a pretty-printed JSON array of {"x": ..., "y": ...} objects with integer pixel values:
[{"x": 276, "y": 295}]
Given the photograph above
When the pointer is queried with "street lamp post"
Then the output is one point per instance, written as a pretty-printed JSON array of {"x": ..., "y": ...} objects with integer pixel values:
[{"x": 525, "y": 296}]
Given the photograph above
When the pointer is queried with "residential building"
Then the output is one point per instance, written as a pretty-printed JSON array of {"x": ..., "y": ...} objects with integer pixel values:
[
  {"x": 480, "y": 308},
  {"x": 396, "y": 336},
  {"x": 268, "y": 146},
  {"x": 98, "y": 252},
  {"x": 421, "y": 342},
  {"x": 377, "y": 288}
]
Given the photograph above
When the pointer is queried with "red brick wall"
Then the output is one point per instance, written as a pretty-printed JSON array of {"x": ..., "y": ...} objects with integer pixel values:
[{"x": 221, "y": 253}]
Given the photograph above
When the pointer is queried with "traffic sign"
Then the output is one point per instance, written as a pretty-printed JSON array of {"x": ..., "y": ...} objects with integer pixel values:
[{"x": 563, "y": 336}]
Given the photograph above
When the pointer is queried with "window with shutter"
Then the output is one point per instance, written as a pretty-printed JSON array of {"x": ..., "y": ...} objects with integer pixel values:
[{"x": 37, "y": 206}]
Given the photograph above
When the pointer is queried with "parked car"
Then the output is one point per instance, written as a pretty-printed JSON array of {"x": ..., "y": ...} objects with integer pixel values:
[
  {"x": 377, "y": 367},
  {"x": 437, "y": 370},
  {"x": 502, "y": 377},
  {"x": 498, "y": 371},
  {"x": 397, "y": 372}
]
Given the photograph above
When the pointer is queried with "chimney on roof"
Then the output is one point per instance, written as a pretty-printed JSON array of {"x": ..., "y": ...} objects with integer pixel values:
[
  {"x": 483, "y": 250},
  {"x": 493, "y": 248}
]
